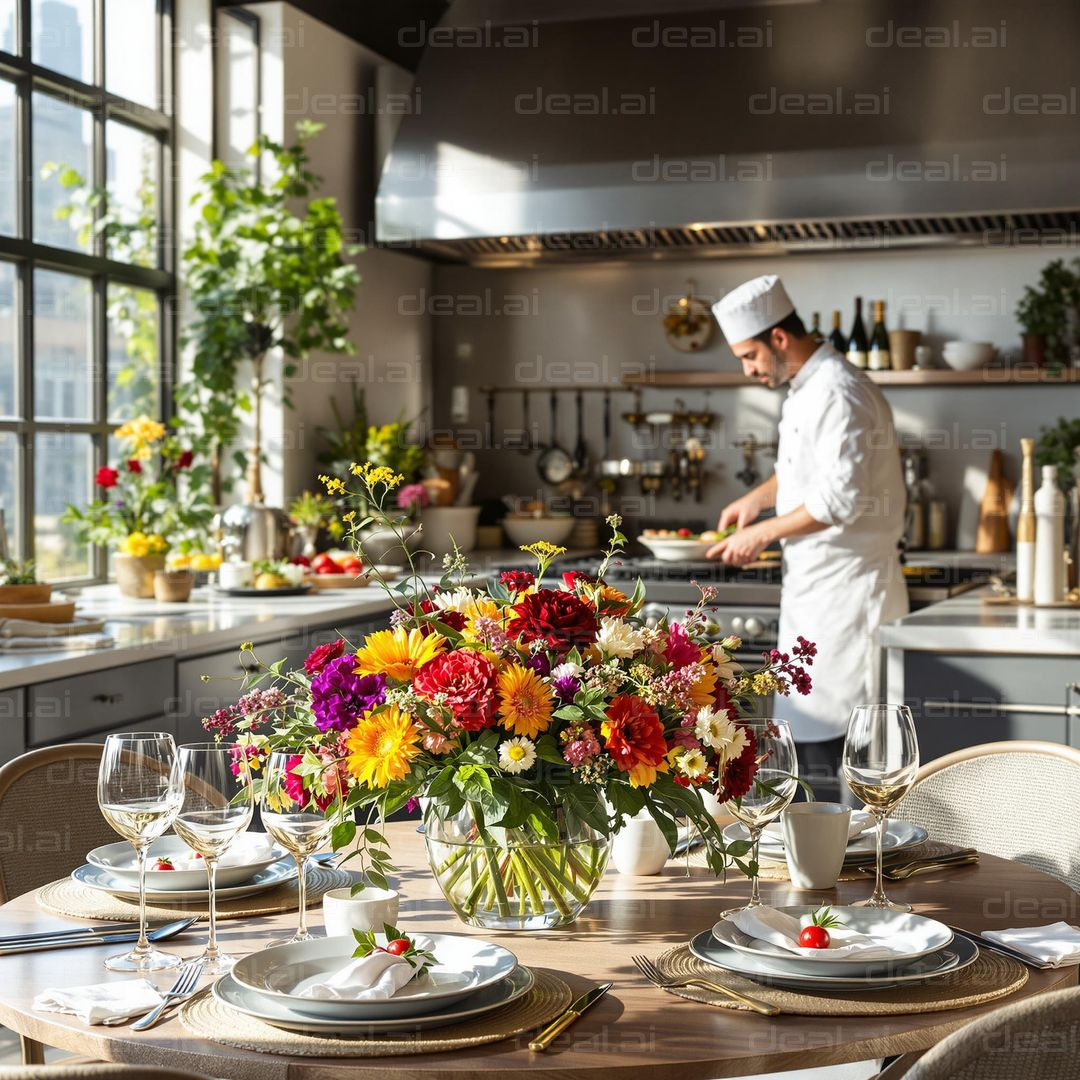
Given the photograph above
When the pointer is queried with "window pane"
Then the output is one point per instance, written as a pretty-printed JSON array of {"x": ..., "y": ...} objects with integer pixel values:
[
  {"x": 8, "y": 205},
  {"x": 61, "y": 171},
  {"x": 9, "y": 405},
  {"x": 9, "y": 30},
  {"x": 131, "y": 158},
  {"x": 9, "y": 491},
  {"x": 130, "y": 53},
  {"x": 238, "y": 81},
  {"x": 133, "y": 353},
  {"x": 63, "y": 466},
  {"x": 62, "y": 36},
  {"x": 62, "y": 347}
]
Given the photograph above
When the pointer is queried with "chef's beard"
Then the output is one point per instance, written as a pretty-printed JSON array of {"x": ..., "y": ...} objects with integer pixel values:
[{"x": 777, "y": 374}]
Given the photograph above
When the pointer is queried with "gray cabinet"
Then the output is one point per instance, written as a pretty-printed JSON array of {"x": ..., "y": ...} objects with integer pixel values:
[{"x": 12, "y": 724}]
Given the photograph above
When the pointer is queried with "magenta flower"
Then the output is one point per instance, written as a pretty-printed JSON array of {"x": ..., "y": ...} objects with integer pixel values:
[
  {"x": 339, "y": 697},
  {"x": 412, "y": 497}
]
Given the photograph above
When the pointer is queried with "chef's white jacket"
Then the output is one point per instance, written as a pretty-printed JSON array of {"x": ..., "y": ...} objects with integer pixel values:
[{"x": 837, "y": 454}]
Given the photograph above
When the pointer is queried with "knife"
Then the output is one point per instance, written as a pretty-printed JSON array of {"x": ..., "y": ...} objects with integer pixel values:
[
  {"x": 1005, "y": 950},
  {"x": 79, "y": 937},
  {"x": 561, "y": 1023},
  {"x": 71, "y": 931}
]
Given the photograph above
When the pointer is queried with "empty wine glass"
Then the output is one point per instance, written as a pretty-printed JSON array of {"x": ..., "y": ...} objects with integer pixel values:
[
  {"x": 139, "y": 796},
  {"x": 881, "y": 758},
  {"x": 772, "y": 788},
  {"x": 217, "y": 807},
  {"x": 293, "y": 821}
]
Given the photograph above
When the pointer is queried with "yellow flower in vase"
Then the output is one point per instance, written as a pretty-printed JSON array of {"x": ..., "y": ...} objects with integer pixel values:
[
  {"x": 136, "y": 544},
  {"x": 525, "y": 701},
  {"x": 141, "y": 433},
  {"x": 157, "y": 544},
  {"x": 397, "y": 654},
  {"x": 382, "y": 746}
]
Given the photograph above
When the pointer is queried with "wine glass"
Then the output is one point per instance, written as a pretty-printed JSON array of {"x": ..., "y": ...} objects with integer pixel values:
[
  {"x": 139, "y": 796},
  {"x": 881, "y": 758},
  {"x": 217, "y": 807},
  {"x": 772, "y": 788},
  {"x": 293, "y": 821}
]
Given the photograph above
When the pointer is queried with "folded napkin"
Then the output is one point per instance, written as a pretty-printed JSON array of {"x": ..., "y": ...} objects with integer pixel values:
[
  {"x": 81, "y": 624},
  {"x": 94, "y": 1004},
  {"x": 59, "y": 644},
  {"x": 778, "y": 928},
  {"x": 1057, "y": 944},
  {"x": 375, "y": 977}
]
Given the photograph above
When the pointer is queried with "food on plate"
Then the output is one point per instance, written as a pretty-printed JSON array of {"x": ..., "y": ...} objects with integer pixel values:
[
  {"x": 685, "y": 534},
  {"x": 271, "y": 581},
  {"x": 163, "y": 864},
  {"x": 816, "y": 935},
  {"x": 323, "y": 564},
  {"x": 277, "y": 574}
]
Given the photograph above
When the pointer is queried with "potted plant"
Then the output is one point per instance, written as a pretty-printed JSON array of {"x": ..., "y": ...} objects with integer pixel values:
[
  {"x": 142, "y": 505},
  {"x": 19, "y": 584},
  {"x": 1047, "y": 315},
  {"x": 310, "y": 512}
]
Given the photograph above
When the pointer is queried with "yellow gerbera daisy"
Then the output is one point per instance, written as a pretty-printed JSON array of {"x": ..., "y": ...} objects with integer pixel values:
[
  {"x": 525, "y": 702},
  {"x": 703, "y": 691},
  {"x": 140, "y": 433},
  {"x": 381, "y": 747},
  {"x": 397, "y": 654},
  {"x": 483, "y": 608}
]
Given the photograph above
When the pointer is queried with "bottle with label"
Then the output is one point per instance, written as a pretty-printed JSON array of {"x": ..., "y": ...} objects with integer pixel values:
[
  {"x": 879, "y": 359},
  {"x": 1049, "y": 539},
  {"x": 836, "y": 336},
  {"x": 1025, "y": 526},
  {"x": 815, "y": 329},
  {"x": 856, "y": 345}
]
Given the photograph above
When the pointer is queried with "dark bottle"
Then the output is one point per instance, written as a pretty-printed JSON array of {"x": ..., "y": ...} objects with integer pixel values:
[
  {"x": 815, "y": 329},
  {"x": 836, "y": 336},
  {"x": 857, "y": 347},
  {"x": 879, "y": 358}
]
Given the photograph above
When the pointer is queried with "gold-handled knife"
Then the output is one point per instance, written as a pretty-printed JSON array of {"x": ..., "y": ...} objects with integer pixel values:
[{"x": 561, "y": 1023}]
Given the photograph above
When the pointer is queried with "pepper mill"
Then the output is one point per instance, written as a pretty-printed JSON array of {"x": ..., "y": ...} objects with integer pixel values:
[{"x": 1025, "y": 527}]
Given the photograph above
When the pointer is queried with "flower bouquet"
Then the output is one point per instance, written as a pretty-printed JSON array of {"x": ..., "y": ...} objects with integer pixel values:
[{"x": 532, "y": 716}]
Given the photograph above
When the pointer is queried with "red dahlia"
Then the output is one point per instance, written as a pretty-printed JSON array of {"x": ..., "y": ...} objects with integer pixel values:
[
  {"x": 321, "y": 655},
  {"x": 134, "y": 465},
  {"x": 106, "y": 477},
  {"x": 517, "y": 581},
  {"x": 560, "y": 620},
  {"x": 633, "y": 733},
  {"x": 739, "y": 773},
  {"x": 466, "y": 680}
]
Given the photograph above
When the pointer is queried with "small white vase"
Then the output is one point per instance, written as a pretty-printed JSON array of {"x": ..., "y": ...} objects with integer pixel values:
[{"x": 639, "y": 847}]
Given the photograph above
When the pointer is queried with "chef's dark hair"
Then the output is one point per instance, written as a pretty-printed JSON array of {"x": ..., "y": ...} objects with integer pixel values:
[{"x": 790, "y": 324}]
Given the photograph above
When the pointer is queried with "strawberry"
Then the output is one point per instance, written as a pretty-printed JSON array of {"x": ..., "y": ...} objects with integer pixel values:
[{"x": 163, "y": 864}]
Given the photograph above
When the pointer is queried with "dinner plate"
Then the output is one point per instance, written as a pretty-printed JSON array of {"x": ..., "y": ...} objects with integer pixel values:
[
  {"x": 252, "y": 851},
  {"x": 277, "y": 1014},
  {"x": 250, "y": 590},
  {"x": 275, "y": 874},
  {"x": 283, "y": 973},
  {"x": 914, "y": 936},
  {"x": 958, "y": 955},
  {"x": 899, "y": 835}
]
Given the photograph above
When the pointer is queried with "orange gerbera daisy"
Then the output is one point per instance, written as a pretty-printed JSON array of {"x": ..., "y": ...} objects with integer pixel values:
[
  {"x": 703, "y": 692},
  {"x": 382, "y": 746},
  {"x": 525, "y": 703},
  {"x": 397, "y": 654}
]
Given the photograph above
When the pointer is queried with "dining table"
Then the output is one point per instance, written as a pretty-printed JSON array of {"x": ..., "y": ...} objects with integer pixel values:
[{"x": 635, "y": 1026}]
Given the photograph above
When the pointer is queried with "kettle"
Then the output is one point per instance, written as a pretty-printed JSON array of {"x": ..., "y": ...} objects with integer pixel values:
[{"x": 250, "y": 532}]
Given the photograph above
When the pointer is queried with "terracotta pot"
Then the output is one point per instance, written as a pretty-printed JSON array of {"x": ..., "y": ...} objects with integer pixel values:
[
  {"x": 25, "y": 594},
  {"x": 1034, "y": 349},
  {"x": 173, "y": 586},
  {"x": 135, "y": 574}
]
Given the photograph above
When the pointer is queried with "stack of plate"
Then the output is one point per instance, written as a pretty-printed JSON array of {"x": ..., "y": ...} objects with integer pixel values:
[
  {"x": 470, "y": 977},
  {"x": 252, "y": 865},
  {"x": 899, "y": 836},
  {"x": 921, "y": 949}
]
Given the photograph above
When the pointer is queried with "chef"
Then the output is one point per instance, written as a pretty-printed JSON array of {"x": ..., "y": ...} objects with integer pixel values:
[{"x": 839, "y": 497}]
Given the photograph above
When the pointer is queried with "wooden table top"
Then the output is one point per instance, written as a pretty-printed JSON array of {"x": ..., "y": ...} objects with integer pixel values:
[{"x": 635, "y": 1026}]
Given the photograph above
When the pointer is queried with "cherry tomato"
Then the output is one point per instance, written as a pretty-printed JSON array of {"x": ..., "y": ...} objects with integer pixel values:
[
  {"x": 321, "y": 561},
  {"x": 685, "y": 532},
  {"x": 300, "y": 560},
  {"x": 398, "y": 946},
  {"x": 814, "y": 937},
  {"x": 352, "y": 566},
  {"x": 330, "y": 567},
  {"x": 198, "y": 855},
  {"x": 164, "y": 864}
]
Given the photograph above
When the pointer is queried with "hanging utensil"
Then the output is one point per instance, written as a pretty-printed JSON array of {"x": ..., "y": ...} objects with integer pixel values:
[
  {"x": 555, "y": 465},
  {"x": 489, "y": 442},
  {"x": 527, "y": 446},
  {"x": 581, "y": 451}
]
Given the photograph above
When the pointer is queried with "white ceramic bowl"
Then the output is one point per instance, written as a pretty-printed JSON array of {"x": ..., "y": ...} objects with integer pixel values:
[
  {"x": 371, "y": 909},
  {"x": 526, "y": 529},
  {"x": 674, "y": 549},
  {"x": 968, "y": 355},
  {"x": 443, "y": 526}
]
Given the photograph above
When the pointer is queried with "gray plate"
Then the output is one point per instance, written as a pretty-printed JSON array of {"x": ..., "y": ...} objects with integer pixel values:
[
  {"x": 273, "y": 1012},
  {"x": 275, "y": 874},
  {"x": 899, "y": 835},
  {"x": 958, "y": 955}
]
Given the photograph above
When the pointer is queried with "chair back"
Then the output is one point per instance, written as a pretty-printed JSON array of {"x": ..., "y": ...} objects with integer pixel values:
[
  {"x": 49, "y": 816},
  {"x": 1016, "y": 800},
  {"x": 1033, "y": 1039}
]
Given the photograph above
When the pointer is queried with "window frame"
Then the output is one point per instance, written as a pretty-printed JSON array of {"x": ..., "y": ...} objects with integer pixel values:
[{"x": 28, "y": 255}]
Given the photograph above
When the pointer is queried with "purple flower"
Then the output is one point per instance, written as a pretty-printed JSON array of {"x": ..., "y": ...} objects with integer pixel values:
[
  {"x": 566, "y": 686},
  {"x": 339, "y": 697},
  {"x": 539, "y": 663}
]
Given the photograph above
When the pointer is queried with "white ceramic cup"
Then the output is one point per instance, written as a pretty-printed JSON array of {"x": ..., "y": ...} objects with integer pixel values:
[
  {"x": 368, "y": 910},
  {"x": 639, "y": 847},
  {"x": 815, "y": 842},
  {"x": 234, "y": 575}
]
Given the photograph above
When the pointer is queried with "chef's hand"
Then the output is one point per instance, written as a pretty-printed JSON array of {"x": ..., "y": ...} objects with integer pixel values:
[
  {"x": 741, "y": 547},
  {"x": 740, "y": 513}
]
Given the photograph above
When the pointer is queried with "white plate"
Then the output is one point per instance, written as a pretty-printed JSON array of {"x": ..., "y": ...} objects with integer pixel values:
[
  {"x": 958, "y": 955},
  {"x": 282, "y": 973},
  {"x": 914, "y": 935},
  {"x": 676, "y": 549},
  {"x": 118, "y": 860},
  {"x": 275, "y": 874},
  {"x": 899, "y": 835},
  {"x": 273, "y": 1012}
]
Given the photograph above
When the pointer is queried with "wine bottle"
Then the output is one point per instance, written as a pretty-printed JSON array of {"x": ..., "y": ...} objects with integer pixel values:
[
  {"x": 836, "y": 337},
  {"x": 815, "y": 329},
  {"x": 856, "y": 345},
  {"x": 879, "y": 359}
]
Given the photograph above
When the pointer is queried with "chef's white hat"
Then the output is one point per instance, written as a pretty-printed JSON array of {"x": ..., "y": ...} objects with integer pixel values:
[{"x": 753, "y": 307}]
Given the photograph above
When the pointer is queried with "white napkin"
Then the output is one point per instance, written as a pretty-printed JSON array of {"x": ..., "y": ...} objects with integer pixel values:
[
  {"x": 1057, "y": 944},
  {"x": 375, "y": 977},
  {"x": 93, "y": 1004},
  {"x": 778, "y": 928}
]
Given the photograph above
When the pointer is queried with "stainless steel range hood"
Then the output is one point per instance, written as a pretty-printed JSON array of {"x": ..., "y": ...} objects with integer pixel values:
[{"x": 774, "y": 128}]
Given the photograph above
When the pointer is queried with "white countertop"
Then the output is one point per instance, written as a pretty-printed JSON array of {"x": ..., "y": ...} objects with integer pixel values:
[{"x": 967, "y": 624}]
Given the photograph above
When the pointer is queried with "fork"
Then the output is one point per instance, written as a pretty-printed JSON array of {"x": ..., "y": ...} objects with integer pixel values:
[
  {"x": 658, "y": 978},
  {"x": 902, "y": 873},
  {"x": 181, "y": 990}
]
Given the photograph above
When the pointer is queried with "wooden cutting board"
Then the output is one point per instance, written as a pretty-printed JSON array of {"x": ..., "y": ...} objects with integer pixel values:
[{"x": 58, "y": 611}]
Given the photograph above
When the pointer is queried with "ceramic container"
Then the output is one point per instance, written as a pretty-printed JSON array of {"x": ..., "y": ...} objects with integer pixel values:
[
  {"x": 639, "y": 847},
  {"x": 368, "y": 910},
  {"x": 815, "y": 842}
]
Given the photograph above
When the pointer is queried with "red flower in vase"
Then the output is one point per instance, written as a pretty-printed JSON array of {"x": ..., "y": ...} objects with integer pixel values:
[{"x": 560, "y": 620}]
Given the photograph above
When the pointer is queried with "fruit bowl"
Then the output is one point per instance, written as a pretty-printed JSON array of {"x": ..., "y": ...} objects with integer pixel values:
[
  {"x": 526, "y": 529},
  {"x": 676, "y": 548}
]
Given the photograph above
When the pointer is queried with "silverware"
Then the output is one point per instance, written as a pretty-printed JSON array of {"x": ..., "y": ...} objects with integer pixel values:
[
  {"x": 906, "y": 858},
  {"x": 903, "y": 871},
  {"x": 77, "y": 938},
  {"x": 561, "y": 1023},
  {"x": 998, "y": 947},
  {"x": 656, "y": 976},
  {"x": 688, "y": 843},
  {"x": 71, "y": 931},
  {"x": 326, "y": 858},
  {"x": 181, "y": 990}
]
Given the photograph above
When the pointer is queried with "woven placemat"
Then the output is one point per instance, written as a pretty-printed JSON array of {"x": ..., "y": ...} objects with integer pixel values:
[
  {"x": 208, "y": 1018},
  {"x": 992, "y": 976},
  {"x": 69, "y": 897}
]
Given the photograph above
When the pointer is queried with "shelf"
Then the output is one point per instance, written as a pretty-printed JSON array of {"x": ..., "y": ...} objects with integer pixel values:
[{"x": 932, "y": 377}]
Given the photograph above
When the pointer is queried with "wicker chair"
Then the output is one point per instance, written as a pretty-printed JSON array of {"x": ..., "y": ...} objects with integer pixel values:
[
  {"x": 1034, "y": 1039},
  {"x": 1016, "y": 800},
  {"x": 97, "y": 1072}
]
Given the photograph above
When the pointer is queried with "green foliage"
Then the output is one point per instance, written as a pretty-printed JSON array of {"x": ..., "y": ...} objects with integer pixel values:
[
  {"x": 345, "y": 442},
  {"x": 311, "y": 509},
  {"x": 1058, "y": 445},
  {"x": 1050, "y": 308},
  {"x": 19, "y": 573}
]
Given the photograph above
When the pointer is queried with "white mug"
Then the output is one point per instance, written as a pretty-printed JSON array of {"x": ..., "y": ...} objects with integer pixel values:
[
  {"x": 815, "y": 842},
  {"x": 368, "y": 910},
  {"x": 639, "y": 847},
  {"x": 234, "y": 575}
]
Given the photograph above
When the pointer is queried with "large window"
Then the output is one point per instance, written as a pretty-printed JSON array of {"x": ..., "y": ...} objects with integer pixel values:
[{"x": 85, "y": 112}]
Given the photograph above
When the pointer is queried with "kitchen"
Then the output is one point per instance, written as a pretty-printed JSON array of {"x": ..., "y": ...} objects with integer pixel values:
[{"x": 519, "y": 226}]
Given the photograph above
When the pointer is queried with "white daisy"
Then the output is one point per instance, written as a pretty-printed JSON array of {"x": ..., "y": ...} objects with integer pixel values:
[
  {"x": 454, "y": 599},
  {"x": 716, "y": 730},
  {"x": 618, "y": 638},
  {"x": 692, "y": 764},
  {"x": 726, "y": 667},
  {"x": 517, "y": 755}
]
